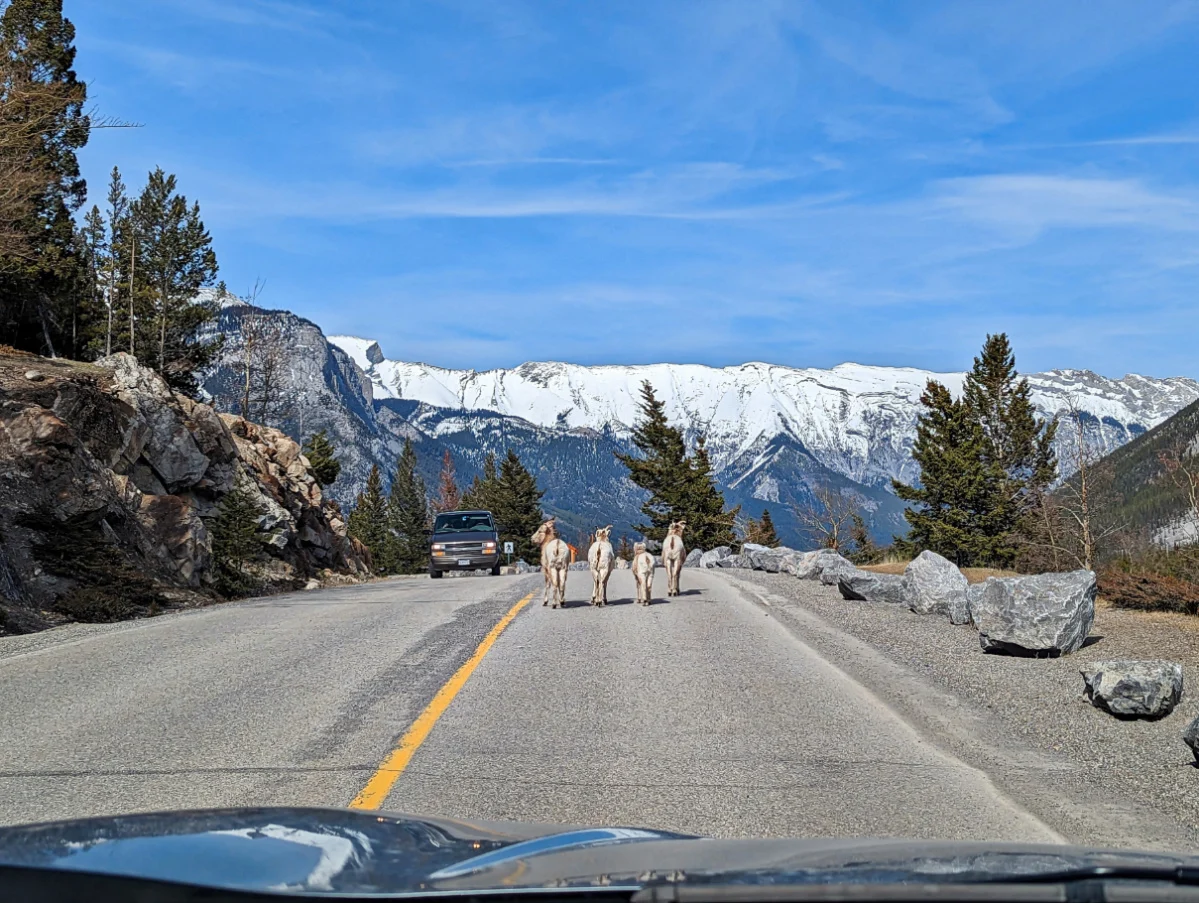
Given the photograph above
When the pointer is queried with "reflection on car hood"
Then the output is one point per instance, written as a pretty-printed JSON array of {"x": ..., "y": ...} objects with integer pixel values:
[{"x": 344, "y": 851}]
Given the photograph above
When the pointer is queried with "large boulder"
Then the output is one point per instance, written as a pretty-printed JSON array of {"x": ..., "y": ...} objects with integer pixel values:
[
  {"x": 934, "y": 585},
  {"x": 578, "y": 566},
  {"x": 769, "y": 560},
  {"x": 866, "y": 586},
  {"x": 710, "y": 558},
  {"x": 1190, "y": 736},
  {"x": 809, "y": 565},
  {"x": 833, "y": 568},
  {"x": 1132, "y": 689},
  {"x": 1045, "y": 614},
  {"x": 693, "y": 557},
  {"x": 735, "y": 561}
]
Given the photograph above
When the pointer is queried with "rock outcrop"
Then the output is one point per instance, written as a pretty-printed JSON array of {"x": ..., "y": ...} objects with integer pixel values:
[
  {"x": 693, "y": 557},
  {"x": 1045, "y": 614},
  {"x": 934, "y": 585},
  {"x": 109, "y": 483},
  {"x": 1132, "y": 689}
]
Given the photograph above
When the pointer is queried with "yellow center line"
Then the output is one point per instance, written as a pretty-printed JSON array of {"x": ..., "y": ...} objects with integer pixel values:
[{"x": 381, "y": 782}]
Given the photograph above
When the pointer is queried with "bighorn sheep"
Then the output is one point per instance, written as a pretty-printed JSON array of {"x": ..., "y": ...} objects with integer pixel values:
[
  {"x": 643, "y": 573},
  {"x": 602, "y": 560},
  {"x": 555, "y": 559},
  {"x": 673, "y": 556}
]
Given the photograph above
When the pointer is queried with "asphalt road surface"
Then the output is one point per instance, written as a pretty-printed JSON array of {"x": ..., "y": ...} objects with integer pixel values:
[{"x": 701, "y": 713}]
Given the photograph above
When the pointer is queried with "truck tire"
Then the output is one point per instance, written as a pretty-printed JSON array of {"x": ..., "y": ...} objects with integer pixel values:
[{"x": 434, "y": 573}]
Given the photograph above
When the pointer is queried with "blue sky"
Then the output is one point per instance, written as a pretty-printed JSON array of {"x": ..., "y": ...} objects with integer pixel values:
[{"x": 478, "y": 184}]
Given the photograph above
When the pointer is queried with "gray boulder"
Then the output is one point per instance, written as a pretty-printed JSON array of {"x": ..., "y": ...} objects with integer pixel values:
[
  {"x": 693, "y": 557},
  {"x": 769, "y": 560},
  {"x": 735, "y": 561},
  {"x": 1045, "y": 614},
  {"x": 1133, "y": 689},
  {"x": 832, "y": 569},
  {"x": 1190, "y": 737},
  {"x": 748, "y": 548},
  {"x": 809, "y": 565},
  {"x": 710, "y": 558},
  {"x": 622, "y": 565},
  {"x": 578, "y": 566},
  {"x": 933, "y": 585},
  {"x": 973, "y": 594},
  {"x": 866, "y": 586}
]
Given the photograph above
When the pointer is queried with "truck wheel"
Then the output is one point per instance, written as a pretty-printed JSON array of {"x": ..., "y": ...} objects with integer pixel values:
[
  {"x": 434, "y": 573},
  {"x": 495, "y": 571}
]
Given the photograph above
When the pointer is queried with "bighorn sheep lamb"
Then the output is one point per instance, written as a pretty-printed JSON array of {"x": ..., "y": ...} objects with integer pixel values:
[
  {"x": 643, "y": 573},
  {"x": 673, "y": 556},
  {"x": 555, "y": 559},
  {"x": 601, "y": 560}
]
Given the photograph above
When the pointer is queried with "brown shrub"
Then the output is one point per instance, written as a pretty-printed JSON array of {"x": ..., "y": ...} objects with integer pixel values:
[{"x": 1147, "y": 591}]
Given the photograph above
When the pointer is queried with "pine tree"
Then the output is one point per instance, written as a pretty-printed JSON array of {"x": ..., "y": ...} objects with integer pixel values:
[
  {"x": 762, "y": 531},
  {"x": 369, "y": 524},
  {"x": 517, "y": 507},
  {"x": 174, "y": 259},
  {"x": 118, "y": 208},
  {"x": 322, "y": 459},
  {"x": 449, "y": 497},
  {"x": 481, "y": 493},
  {"x": 408, "y": 515},
  {"x": 235, "y": 539},
  {"x": 708, "y": 523},
  {"x": 42, "y": 125},
  {"x": 1016, "y": 446},
  {"x": 661, "y": 469},
  {"x": 952, "y": 511},
  {"x": 864, "y": 549},
  {"x": 87, "y": 306}
]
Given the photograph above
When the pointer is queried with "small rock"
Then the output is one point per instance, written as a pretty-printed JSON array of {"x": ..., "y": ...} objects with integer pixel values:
[
  {"x": 622, "y": 564},
  {"x": 1190, "y": 737},
  {"x": 934, "y": 585},
  {"x": 1132, "y": 689},
  {"x": 312, "y": 584},
  {"x": 865, "y": 586},
  {"x": 35, "y": 376}
]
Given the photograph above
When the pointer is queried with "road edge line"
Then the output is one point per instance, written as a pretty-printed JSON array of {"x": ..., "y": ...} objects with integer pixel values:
[{"x": 388, "y": 773}]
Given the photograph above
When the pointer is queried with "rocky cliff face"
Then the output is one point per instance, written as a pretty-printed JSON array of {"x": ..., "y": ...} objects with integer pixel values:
[{"x": 109, "y": 483}]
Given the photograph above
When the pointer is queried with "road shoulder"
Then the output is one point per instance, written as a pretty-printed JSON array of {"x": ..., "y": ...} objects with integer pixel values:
[{"x": 1017, "y": 720}]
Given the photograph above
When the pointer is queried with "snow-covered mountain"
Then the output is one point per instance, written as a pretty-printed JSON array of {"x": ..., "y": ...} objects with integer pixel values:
[{"x": 854, "y": 420}]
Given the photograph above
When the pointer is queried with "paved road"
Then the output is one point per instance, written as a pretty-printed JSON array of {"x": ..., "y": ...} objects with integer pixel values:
[{"x": 702, "y": 713}]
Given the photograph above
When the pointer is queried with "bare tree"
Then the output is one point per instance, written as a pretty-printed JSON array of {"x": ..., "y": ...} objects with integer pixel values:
[
  {"x": 829, "y": 516},
  {"x": 1073, "y": 525},
  {"x": 263, "y": 364}
]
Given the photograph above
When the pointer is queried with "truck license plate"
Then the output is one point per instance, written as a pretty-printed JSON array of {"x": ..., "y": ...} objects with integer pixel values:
[{"x": 463, "y": 561}]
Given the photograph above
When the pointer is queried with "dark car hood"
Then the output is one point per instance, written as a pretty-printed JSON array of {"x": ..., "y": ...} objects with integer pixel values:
[{"x": 334, "y": 851}]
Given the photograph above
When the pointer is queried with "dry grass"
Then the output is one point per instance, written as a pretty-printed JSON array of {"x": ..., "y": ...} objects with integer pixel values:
[{"x": 974, "y": 575}]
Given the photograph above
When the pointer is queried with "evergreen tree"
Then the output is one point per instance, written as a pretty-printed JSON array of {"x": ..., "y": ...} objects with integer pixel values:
[
  {"x": 762, "y": 531},
  {"x": 87, "y": 305},
  {"x": 864, "y": 549},
  {"x": 661, "y": 468},
  {"x": 953, "y": 509},
  {"x": 1016, "y": 446},
  {"x": 369, "y": 524},
  {"x": 708, "y": 523},
  {"x": 322, "y": 459},
  {"x": 408, "y": 515},
  {"x": 42, "y": 125},
  {"x": 235, "y": 539},
  {"x": 175, "y": 259},
  {"x": 449, "y": 497},
  {"x": 483, "y": 489},
  {"x": 118, "y": 208},
  {"x": 516, "y": 507}
]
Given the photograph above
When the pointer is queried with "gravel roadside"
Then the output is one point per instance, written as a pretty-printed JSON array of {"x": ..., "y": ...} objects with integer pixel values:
[{"x": 1124, "y": 783}]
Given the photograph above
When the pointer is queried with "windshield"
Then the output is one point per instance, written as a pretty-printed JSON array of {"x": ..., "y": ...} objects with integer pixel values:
[
  {"x": 757, "y": 420},
  {"x": 464, "y": 523}
]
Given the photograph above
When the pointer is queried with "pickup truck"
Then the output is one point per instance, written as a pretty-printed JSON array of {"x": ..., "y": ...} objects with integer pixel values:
[{"x": 464, "y": 541}]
